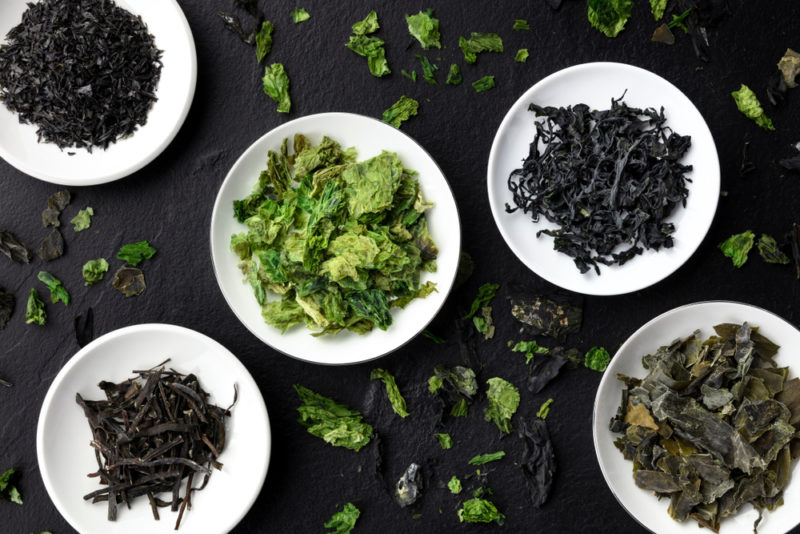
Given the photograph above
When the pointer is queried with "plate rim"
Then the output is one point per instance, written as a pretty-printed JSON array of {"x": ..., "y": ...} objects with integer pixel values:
[
  {"x": 598, "y": 289},
  {"x": 216, "y": 213},
  {"x": 230, "y": 360},
  {"x": 606, "y": 378},
  {"x": 31, "y": 170}
]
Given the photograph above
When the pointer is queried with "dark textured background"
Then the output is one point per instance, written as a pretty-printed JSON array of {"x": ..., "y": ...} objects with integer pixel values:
[{"x": 169, "y": 203}]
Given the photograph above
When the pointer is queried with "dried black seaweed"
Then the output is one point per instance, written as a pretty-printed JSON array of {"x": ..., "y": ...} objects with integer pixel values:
[
  {"x": 409, "y": 488},
  {"x": 55, "y": 205},
  {"x": 711, "y": 426},
  {"x": 607, "y": 179},
  {"x": 455, "y": 387},
  {"x": 84, "y": 327},
  {"x": 546, "y": 367},
  {"x": 52, "y": 246},
  {"x": 7, "y": 302},
  {"x": 538, "y": 461},
  {"x": 13, "y": 248},
  {"x": 546, "y": 317},
  {"x": 234, "y": 25},
  {"x": 129, "y": 281},
  {"x": 747, "y": 166},
  {"x": 792, "y": 163},
  {"x": 794, "y": 239},
  {"x": 83, "y": 71},
  {"x": 150, "y": 434}
]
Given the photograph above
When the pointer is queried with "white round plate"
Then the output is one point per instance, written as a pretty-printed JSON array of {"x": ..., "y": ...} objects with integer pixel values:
[
  {"x": 369, "y": 137},
  {"x": 680, "y": 322},
  {"x": 175, "y": 90},
  {"x": 595, "y": 84},
  {"x": 63, "y": 434}
]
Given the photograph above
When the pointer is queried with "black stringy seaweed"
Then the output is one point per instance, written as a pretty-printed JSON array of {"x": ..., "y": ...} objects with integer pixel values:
[
  {"x": 83, "y": 71},
  {"x": 608, "y": 179}
]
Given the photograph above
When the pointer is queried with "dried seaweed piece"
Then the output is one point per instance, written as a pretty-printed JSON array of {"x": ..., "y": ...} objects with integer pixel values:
[
  {"x": 503, "y": 401},
  {"x": 84, "y": 327},
  {"x": 794, "y": 239},
  {"x": 793, "y": 163},
  {"x": 538, "y": 461},
  {"x": 129, "y": 281},
  {"x": 7, "y": 302},
  {"x": 409, "y": 488},
  {"x": 546, "y": 317},
  {"x": 747, "y": 166},
  {"x": 13, "y": 248},
  {"x": 455, "y": 387},
  {"x": 769, "y": 250},
  {"x": 52, "y": 246},
  {"x": 789, "y": 65},
  {"x": 55, "y": 205},
  {"x": 545, "y": 369},
  {"x": 663, "y": 34}
]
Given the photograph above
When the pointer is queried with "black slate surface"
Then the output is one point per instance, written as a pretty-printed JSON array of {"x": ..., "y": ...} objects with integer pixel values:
[{"x": 169, "y": 203}]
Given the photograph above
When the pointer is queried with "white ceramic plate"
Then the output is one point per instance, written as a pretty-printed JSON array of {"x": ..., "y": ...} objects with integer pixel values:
[
  {"x": 369, "y": 136},
  {"x": 63, "y": 434},
  {"x": 595, "y": 84},
  {"x": 680, "y": 322},
  {"x": 18, "y": 142}
]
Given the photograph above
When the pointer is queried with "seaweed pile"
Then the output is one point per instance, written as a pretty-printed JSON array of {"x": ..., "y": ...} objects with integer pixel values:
[{"x": 712, "y": 427}]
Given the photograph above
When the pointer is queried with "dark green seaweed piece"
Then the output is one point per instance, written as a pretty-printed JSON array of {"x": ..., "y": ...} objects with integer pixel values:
[
  {"x": 400, "y": 111},
  {"x": 456, "y": 387},
  {"x": 483, "y": 84},
  {"x": 370, "y": 47},
  {"x": 609, "y": 16},
  {"x": 546, "y": 368},
  {"x": 392, "y": 391},
  {"x": 52, "y": 246},
  {"x": 597, "y": 359},
  {"x": 478, "y": 510},
  {"x": 7, "y": 302},
  {"x": 485, "y": 295},
  {"x": 409, "y": 488},
  {"x": 454, "y": 75},
  {"x": 538, "y": 461},
  {"x": 13, "y": 248},
  {"x": 129, "y": 281},
  {"x": 57, "y": 290},
  {"x": 343, "y": 522},
  {"x": 7, "y": 489},
  {"x": 135, "y": 253},
  {"x": 503, "y": 401},
  {"x": 737, "y": 246},
  {"x": 334, "y": 423},
  {"x": 479, "y": 42},
  {"x": 486, "y": 458},
  {"x": 769, "y": 250},
  {"x": 544, "y": 409},
  {"x": 264, "y": 40},
  {"x": 55, "y": 205},
  {"x": 546, "y": 317},
  {"x": 34, "y": 310},
  {"x": 607, "y": 179},
  {"x": 428, "y": 69}
]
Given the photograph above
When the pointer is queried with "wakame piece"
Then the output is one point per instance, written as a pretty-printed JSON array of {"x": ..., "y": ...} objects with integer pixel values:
[
  {"x": 150, "y": 433},
  {"x": 607, "y": 179},
  {"x": 83, "y": 71},
  {"x": 13, "y": 248}
]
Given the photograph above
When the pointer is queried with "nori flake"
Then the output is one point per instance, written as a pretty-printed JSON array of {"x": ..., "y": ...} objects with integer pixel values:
[
  {"x": 538, "y": 460},
  {"x": 607, "y": 179},
  {"x": 7, "y": 302},
  {"x": 13, "y": 248},
  {"x": 83, "y": 71},
  {"x": 55, "y": 205},
  {"x": 52, "y": 246},
  {"x": 84, "y": 328},
  {"x": 129, "y": 281},
  {"x": 546, "y": 317}
]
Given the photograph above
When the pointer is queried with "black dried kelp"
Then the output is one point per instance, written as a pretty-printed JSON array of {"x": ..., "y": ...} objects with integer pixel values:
[
  {"x": 234, "y": 25},
  {"x": 608, "y": 179},
  {"x": 55, "y": 205},
  {"x": 7, "y": 302},
  {"x": 543, "y": 316},
  {"x": 129, "y": 281},
  {"x": 538, "y": 460},
  {"x": 83, "y": 71},
  {"x": 84, "y": 328},
  {"x": 455, "y": 387},
  {"x": 548, "y": 366},
  {"x": 712, "y": 426},
  {"x": 792, "y": 163},
  {"x": 52, "y": 246},
  {"x": 13, "y": 248},
  {"x": 409, "y": 488}
]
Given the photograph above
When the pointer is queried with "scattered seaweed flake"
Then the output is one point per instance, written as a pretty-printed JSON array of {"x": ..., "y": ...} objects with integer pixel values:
[
  {"x": 663, "y": 34},
  {"x": 747, "y": 166},
  {"x": 538, "y": 461},
  {"x": 546, "y": 368},
  {"x": 607, "y": 179},
  {"x": 129, "y": 281},
  {"x": 546, "y": 317},
  {"x": 84, "y": 327},
  {"x": 712, "y": 425},
  {"x": 409, "y": 488},
  {"x": 13, "y": 248},
  {"x": 83, "y": 71},
  {"x": 792, "y": 163},
  {"x": 52, "y": 246},
  {"x": 794, "y": 239},
  {"x": 7, "y": 302},
  {"x": 150, "y": 433},
  {"x": 55, "y": 205}
]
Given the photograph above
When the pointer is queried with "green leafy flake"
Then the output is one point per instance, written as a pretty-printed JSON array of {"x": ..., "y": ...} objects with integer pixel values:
[
  {"x": 768, "y": 248},
  {"x": 276, "y": 86},
  {"x": 737, "y": 246},
  {"x": 479, "y": 511},
  {"x": 83, "y": 219},
  {"x": 460, "y": 408},
  {"x": 416, "y": 516},
  {"x": 486, "y": 458},
  {"x": 392, "y": 391},
  {"x": 57, "y": 290},
  {"x": 9, "y": 490},
  {"x": 485, "y": 295},
  {"x": 300, "y": 15},
  {"x": 334, "y": 423},
  {"x": 134, "y": 253},
  {"x": 454, "y": 485},
  {"x": 368, "y": 25},
  {"x": 503, "y": 398},
  {"x": 609, "y": 16},
  {"x": 344, "y": 521},
  {"x": 34, "y": 310},
  {"x": 425, "y": 29},
  {"x": 677, "y": 21},
  {"x": 521, "y": 24},
  {"x": 522, "y": 55},
  {"x": 445, "y": 441},
  {"x": 657, "y": 8},
  {"x": 435, "y": 383},
  {"x": 483, "y": 84},
  {"x": 544, "y": 409},
  {"x": 436, "y": 339},
  {"x": 454, "y": 75},
  {"x": 479, "y": 42},
  {"x": 410, "y": 75},
  {"x": 428, "y": 69},
  {"x": 94, "y": 270},
  {"x": 369, "y": 47},
  {"x": 264, "y": 40},
  {"x": 748, "y": 104},
  {"x": 529, "y": 348},
  {"x": 597, "y": 359},
  {"x": 401, "y": 111}
]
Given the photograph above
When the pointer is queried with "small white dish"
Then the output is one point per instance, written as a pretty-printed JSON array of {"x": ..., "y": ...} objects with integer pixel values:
[
  {"x": 63, "y": 433},
  {"x": 595, "y": 84},
  {"x": 175, "y": 90},
  {"x": 642, "y": 505},
  {"x": 369, "y": 137}
]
